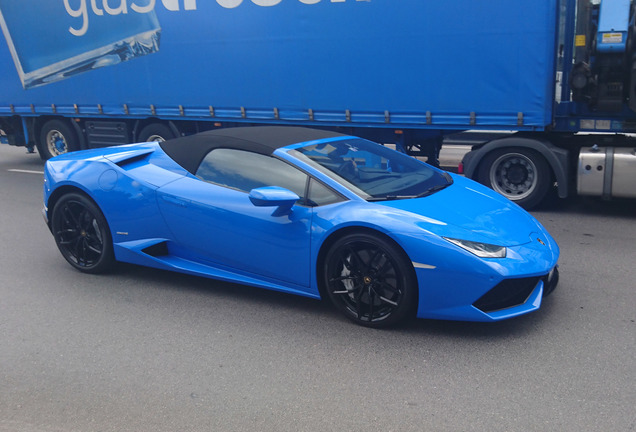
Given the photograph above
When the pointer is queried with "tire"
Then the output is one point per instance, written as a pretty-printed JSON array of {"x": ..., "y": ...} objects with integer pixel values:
[
  {"x": 370, "y": 280},
  {"x": 521, "y": 175},
  {"x": 155, "y": 132},
  {"x": 82, "y": 234},
  {"x": 56, "y": 137}
]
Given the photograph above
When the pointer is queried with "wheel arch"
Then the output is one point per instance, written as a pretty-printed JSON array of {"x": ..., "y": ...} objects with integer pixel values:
[
  {"x": 59, "y": 192},
  {"x": 556, "y": 157},
  {"x": 347, "y": 230}
]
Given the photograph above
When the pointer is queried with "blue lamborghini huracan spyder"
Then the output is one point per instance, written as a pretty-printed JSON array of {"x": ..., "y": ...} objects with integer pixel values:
[{"x": 382, "y": 235}]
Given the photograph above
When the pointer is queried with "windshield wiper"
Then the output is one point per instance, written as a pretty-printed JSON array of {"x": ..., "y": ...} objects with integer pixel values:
[
  {"x": 392, "y": 197},
  {"x": 433, "y": 189},
  {"x": 427, "y": 192}
]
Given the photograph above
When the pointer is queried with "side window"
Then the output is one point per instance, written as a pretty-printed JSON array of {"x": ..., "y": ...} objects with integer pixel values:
[
  {"x": 244, "y": 170},
  {"x": 320, "y": 194}
]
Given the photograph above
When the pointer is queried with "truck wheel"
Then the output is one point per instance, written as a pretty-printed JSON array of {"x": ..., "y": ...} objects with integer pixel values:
[
  {"x": 155, "y": 132},
  {"x": 521, "y": 175},
  {"x": 56, "y": 138}
]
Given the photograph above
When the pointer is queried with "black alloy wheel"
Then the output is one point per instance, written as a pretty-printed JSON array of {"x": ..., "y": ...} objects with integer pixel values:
[
  {"x": 82, "y": 234},
  {"x": 370, "y": 280}
]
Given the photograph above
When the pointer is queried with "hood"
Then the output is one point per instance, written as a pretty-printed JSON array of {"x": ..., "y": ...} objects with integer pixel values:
[{"x": 471, "y": 211}]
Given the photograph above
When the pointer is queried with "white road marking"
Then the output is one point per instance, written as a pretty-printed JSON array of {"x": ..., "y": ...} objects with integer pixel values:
[{"x": 26, "y": 171}]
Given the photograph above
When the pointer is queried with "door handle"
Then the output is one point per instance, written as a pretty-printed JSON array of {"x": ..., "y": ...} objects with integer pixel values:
[{"x": 174, "y": 200}]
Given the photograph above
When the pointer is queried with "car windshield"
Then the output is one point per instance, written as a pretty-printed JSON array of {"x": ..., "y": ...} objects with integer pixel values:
[{"x": 373, "y": 171}]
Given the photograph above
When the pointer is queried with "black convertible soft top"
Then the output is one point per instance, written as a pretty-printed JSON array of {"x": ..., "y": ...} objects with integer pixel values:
[{"x": 190, "y": 150}]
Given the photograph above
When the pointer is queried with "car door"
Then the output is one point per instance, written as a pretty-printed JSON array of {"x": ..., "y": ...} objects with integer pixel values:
[{"x": 213, "y": 218}]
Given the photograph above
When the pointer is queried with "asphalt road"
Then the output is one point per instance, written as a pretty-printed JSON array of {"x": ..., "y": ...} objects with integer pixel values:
[{"x": 145, "y": 350}]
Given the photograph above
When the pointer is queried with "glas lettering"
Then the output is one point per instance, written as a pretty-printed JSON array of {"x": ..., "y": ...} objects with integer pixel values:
[{"x": 99, "y": 7}]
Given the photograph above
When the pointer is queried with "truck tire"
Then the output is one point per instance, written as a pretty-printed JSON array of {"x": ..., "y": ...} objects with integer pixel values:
[
  {"x": 155, "y": 132},
  {"x": 521, "y": 175},
  {"x": 56, "y": 138}
]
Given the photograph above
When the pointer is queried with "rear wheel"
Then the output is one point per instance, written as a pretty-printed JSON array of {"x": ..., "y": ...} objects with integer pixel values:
[
  {"x": 82, "y": 234},
  {"x": 56, "y": 138},
  {"x": 370, "y": 280},
  {"x": 521, "y": 175}
]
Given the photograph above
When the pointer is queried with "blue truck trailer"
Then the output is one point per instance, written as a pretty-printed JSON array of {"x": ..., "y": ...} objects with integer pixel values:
[{"x": 79, "y": 74}]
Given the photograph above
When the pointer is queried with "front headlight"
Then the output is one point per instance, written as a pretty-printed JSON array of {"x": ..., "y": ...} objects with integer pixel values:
[{"x": 482, "y": 250}]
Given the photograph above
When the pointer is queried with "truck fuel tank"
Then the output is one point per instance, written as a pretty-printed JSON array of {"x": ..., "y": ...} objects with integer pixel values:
[{"x": 608, "y": 172}]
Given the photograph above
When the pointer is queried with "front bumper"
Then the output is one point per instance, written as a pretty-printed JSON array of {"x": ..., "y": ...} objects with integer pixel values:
[
  {"x": 485, "y": 299},
  {"x": 511, "y": 293}
]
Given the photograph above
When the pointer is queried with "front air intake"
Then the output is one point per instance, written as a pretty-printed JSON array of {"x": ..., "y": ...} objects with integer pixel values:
[
  {"x": 157, "y": 250},
  {"x": 508, "y": 293}
]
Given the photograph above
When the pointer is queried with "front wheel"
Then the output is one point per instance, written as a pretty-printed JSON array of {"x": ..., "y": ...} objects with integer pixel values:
[
  {"x": 370, "y": 280},
  {"x": 82, "y": 234},
  {"x": 521, "y": 175}
]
